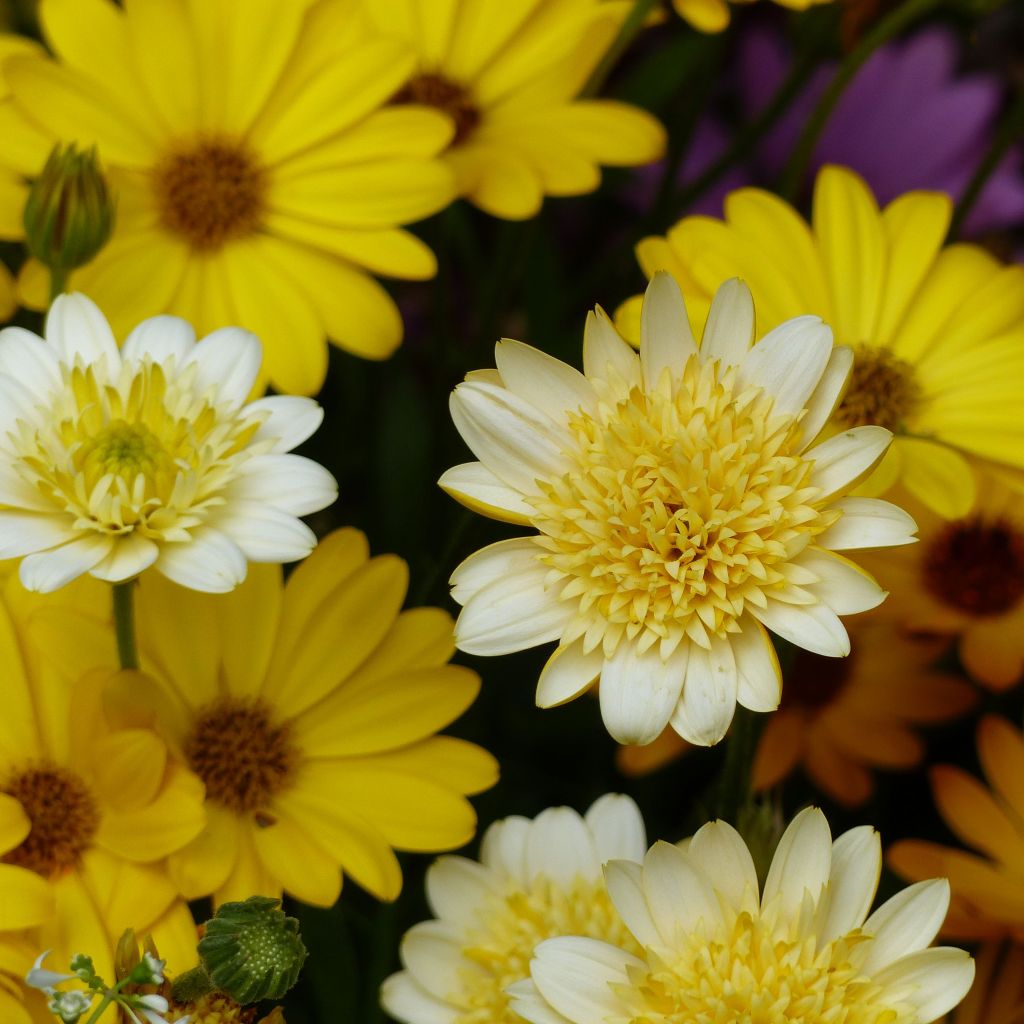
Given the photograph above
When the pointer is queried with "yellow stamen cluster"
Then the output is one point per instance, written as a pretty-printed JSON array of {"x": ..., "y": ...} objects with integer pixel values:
[
  {"x": 511, "y": 929},
  {"x": 687, "y": 503}
]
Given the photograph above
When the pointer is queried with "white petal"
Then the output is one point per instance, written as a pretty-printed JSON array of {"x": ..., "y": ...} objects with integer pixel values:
[
  {"x": 708, "y": 700},
  {"x": 639, "y": 692},
  {"x": 801, "y": 863},
  {"x": 559, "y": 846},
  {"x": 19, "y": 493},
  {"x": 475, "y": 486},
  {"x": 228, "y": 363},
  {"x": 719, "y": 850},
  {"x": 161, "y": 338},
  {"x": 567, "y": 673},
  {"x": 678, "y": 893},
  {"x": 30, "y": 361},
  {"x": 291, "y": 483},
  {"x": 47, "y": 571},
  {"x": 516, "y": 442},
  {"x": 788, "y": 362},
  {"x": 575, "y": 976},
  {"x": 506, "y": 560},
  {"x": 503, "y": 847},
  {"x": 618, "y": 828},
  {"x": 827, "y": 394},
  {"x": 458, "y": 889},
  {"x": 845, "y": 587},
  {"x": 264, "y": 533},
  {"x": 17, "y": 403},
  {"x": 525, "y": 999},
  {"x": 814, "y": 627},
  {"x": 729, "y": 331},
  {"x": 666, "y": 341},
  {"x": 404, "y": 1000},
  {"x": 906, "y": 923},
  {"x": 431, "y": 952},
  {"x": 128, "y": 557},
  {"x": 624, "y": 879},
  {"x": 933, "y": 980},
  {"x": 853, "y": 881},
  {"x": 76, "y": 327},
  {"x": 842, "y": 460},
  {"x": 548, "y": 384},
  {"x": 759, "y": 685},
  {"x": 868, "y": 523},
  {"x": 605, "y": 354},
  {"x": 22, "y": 533},
  {"x": 289, "y": 420},
  {"x": 210, "y": 562}
]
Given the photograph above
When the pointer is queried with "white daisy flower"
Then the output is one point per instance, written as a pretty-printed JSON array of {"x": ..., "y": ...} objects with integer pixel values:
[
  {"x": 112, "y": 461},
  {"x": 534, "y": 879},
  {"x": 682, "y": 506},
  {"x": 714, "y": 949}
]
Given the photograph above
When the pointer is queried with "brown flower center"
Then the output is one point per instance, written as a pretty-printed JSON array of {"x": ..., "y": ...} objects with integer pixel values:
[
  {"x": 976, "y": 567},
  {"x": 242, "y": 757},
  {"x": 63, "y": 817},
  {"x": 210, "y": 193},
  {"x": 882, "y": 390},
  {"x": 814, "y": 681},
  {"x": 452, "y": 98}
]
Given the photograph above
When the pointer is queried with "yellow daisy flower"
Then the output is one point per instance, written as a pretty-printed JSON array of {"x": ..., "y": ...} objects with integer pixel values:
[
  {"x": 965, "y": 579},
  {"x": 988, "y": 885},
  {"x": 937, "y": 332},
  {"x": 840, "y": 719},
  {"x": 309, "y": 711},
  {"x": 715, "y": 946},
  {"x": 997, "y": 996},
  {"x": 682, "y": 505},
  {"x": 90, "y": 804},
  {"x": 714, "y": 15},
  {"x": 509, "y": 75},
  {"x": 258, "y": 177}
]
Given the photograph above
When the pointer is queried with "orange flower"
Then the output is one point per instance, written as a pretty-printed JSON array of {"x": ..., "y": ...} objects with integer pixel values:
[{"x": 997, "y": 996}]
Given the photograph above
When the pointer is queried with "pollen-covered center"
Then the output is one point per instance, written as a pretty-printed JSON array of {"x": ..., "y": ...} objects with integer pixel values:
[
  {"x": 686, "y": 503},
  {"x": 751, "y": 971},
  {"x": 510, "y": 927},
  {"x": 210, "y": 193},
  {"x": 882, "y": 390},
  {"x": 62, "y": 814},
  {"x": 243, "y": 756},
  {"x": 434, "y": 90},
  {"x": 975, "y": 566}
]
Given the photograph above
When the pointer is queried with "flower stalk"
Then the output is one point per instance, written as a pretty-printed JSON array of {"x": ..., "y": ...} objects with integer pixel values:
[{"x": 124, "y": 624}]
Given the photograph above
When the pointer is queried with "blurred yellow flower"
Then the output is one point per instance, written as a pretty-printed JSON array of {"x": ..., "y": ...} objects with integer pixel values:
[
  {"x": 937, "y": 332},
  {"x": 997, "y": 995},
  {"x": 309, "y": 711},
  {"x": 987, "y": 885},
  {"x": 508, "y": 74},
  {"x": 258, "y": 178},
  {"x": 714, "y": 15}
]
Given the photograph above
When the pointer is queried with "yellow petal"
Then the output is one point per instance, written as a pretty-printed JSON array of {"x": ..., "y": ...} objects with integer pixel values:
[
  {"x": 969, "y": 810},
  {"x": 8, "y": 296},
  {"x": 25, "y": 898},
  {"x": 294, "y": 856},
  {"x": 446, "y": 760},
  {"x": 936, "y": 475},
  {"x": 176, "y": 936},
  {"x": 204, "y": 865},
  {"x": 247, "y": 623},
  {"x": 129, "y": 768},
  {"x": 502, "y": 184},
  {"x": 14, "y": 823},
  {"x": 249, "y": 874},
  {"x": 704, "y": 15},
  {"x": 13, "y": 193}
]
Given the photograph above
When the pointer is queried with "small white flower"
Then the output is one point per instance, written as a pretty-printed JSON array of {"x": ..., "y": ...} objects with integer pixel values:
[
  {"x": 150, "y": 970},
  {"x": 69, "y": 1006},
  {"x": 39, "y": 977}
]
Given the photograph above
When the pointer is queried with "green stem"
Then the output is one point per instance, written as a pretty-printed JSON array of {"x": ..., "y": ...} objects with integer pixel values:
[
  {"x": 58, "y": 282},
  {"x": 891, "y": 25},
  {"x": 734, "y": 782},
  {"x": 98, "y": 1012},
  {"x": 124, "y": 624},
  {"x": 1010, "y": 130},
  {"x": 628, "y": 31}
]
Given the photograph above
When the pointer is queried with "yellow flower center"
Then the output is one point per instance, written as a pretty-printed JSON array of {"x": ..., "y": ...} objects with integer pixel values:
[
  {"x": 756, "y": 973},
  {"x": 210, "y": 193},
  {"x": 434, "y": 90},
  {"x": 242, "y": 756},
  {"x": 686, "y": 503},
  {"x": 135, "y": 455},
  {"x": 63, "y": 817},
  {"x": 213, "y": 1009},
  {"x": 882, "y": 390},
  {"x": 511, "y": 928}
]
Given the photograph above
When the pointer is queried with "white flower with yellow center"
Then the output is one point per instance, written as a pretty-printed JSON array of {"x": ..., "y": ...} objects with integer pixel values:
[
  {"x": 715, "y": 951},
  {"x": 535, "y": 879},
  {"x": 112, "y": 461},
  {"x": 682, "y": 507}
]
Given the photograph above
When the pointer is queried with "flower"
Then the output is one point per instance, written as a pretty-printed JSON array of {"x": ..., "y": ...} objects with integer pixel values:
[
  {"x": 714, "y": 16},
  {"x": 988, "y": 885},
  {"x": 997, "y": 996},
  {"x": 966, "y": 579},
  {"x": 510, "y": 83},
  {"x": 711, "y": 949},
  {"x": 259, "y": 175},
  {"x": 682, "y": 507},
  {"x": 309, "y": 711},
  {"x": 535, "y": 879},
  {"x": 928, "y": 365},
  {"x": 115, "y": 461},
  {"x": 840, "y": 719}
]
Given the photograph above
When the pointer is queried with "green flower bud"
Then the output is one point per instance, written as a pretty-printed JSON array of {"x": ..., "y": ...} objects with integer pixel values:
[
  {"x": 252, "y": 951},
  {"x": 69, "y": 214}
]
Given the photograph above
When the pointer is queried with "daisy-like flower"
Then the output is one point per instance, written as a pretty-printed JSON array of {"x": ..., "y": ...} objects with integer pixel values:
[
  {"x": 988, "y": 885},
  {"x": 682, "y": 506},
  {"x": 712, "y": 948},
  {"x": 509, "y": 77},
  {"x": 997, "y": 996},
  {"x": 118, "y": 460},
  {"x": 535, "y": 879},
  {"x": 966, "y": 580},
  {"x": 309, "y": 711},
  {"x": 842, "y": 719},
  {"x": 946, "y": 380},
  {"x": 714, "y": 15},
  {"x": 258, "y": 177}
]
